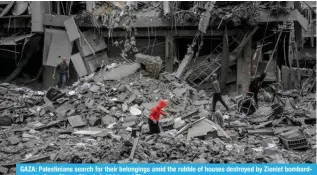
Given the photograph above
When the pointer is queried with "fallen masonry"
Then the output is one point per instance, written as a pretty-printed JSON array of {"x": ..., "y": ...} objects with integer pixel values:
[{"x": 92, "y": 121}]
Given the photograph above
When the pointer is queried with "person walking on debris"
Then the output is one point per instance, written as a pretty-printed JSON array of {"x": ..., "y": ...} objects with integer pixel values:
[
  {"x": 256, "y": 85},
  {"x": 217, "y": 93},
  {"x": 63, "y": 72},
  {"x": 154, "y": 117}
]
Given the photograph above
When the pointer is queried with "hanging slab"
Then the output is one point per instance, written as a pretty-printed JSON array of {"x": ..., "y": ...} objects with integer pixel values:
[
  {"x": 20, "y": 7},
  {"x": 94, "y": 39},
  {"x": 79, "y": 65},
  {"x": 7, "y": 9},
  {"x": 72, "y": 29},
  {"x": 60, "y": 46},
  {"x": 48, "y": 35}
]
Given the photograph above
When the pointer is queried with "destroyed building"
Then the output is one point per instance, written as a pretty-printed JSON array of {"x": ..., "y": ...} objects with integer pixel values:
[
  {"x": 179, "y": 45},
  {"x": 95, "y": 33}
]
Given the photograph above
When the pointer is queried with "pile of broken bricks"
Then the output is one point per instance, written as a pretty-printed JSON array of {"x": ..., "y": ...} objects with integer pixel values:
[{"x": 92, "y": 120}]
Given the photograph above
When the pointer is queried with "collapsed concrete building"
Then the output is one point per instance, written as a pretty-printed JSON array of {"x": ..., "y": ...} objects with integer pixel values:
[
  {"x": 94, "y": 33},
  {"x": 179, "y": 45}
]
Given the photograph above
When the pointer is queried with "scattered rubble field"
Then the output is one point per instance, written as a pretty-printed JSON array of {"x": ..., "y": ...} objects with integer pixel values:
[{"x": 93, "y": 121}]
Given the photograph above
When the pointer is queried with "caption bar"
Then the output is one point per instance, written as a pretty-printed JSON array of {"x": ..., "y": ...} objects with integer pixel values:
[{"x": 167, "y": 169}]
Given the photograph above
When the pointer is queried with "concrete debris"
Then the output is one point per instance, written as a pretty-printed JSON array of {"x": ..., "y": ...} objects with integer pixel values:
[
  {"x": 184, "y": 64},
  {"x": 135, "y": 111},
  {"x": 152, "y": 64},
  {"x": 3, "y": 170},
  {"x": 218, "y": 118},
  {"x": 117, "y": 73},
  {"x": 76, "y": 121},
  {"x": 107, "y": 112}
]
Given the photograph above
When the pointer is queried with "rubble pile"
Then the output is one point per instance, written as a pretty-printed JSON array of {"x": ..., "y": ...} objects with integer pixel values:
[{"x": 92, "y": 121}]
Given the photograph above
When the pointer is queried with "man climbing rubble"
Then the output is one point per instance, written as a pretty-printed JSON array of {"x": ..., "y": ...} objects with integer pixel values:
[
  {"x": 154, "y": 117},
  {"x": 217, "y": 93},
  {"x": 63, "y": 72},
  {"x": 256, "y": 85}
]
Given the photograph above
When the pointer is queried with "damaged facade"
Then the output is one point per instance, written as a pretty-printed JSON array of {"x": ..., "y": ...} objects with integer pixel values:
[
  {"x": 92, "y": 34},
  {"x": 179, "y": 45}
]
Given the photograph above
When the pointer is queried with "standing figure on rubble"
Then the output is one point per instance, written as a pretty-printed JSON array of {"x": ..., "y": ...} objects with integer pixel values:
[
  {"x": 256, "y": 85},
  {"x": 154, "y": 117},
  {"x": 63, "y": 73},
  {"x": 217, "y": 93}
]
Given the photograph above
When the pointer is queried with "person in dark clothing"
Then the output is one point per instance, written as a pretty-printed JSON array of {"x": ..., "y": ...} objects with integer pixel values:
[
  {"x": 217, "y": 93},
  {"x": 256, "y": 85},
  {"x": 63, "y": 73}
]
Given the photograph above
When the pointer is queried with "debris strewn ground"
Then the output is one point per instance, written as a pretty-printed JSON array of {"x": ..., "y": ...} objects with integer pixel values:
[{"x": 92, "y": 121}]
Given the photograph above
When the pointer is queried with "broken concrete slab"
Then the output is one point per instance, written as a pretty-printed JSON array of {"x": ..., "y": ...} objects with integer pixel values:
[
  {"x": 117, "y": 73},
  {"x": 103, "y": 109},
  {"x": 3, "y": 90},
  {"x": 201, "y": 128},
  {"x": 60, "y": 46},
  {"x": 95, "y": 42},
  {"x": 167, "y": 122},
  {"x": 94, "y": 121},
  {"x": 124, "y": 107},
  {"x": 190, "y": 114},
  {"x": 263, "y": 111},
  {"x": 71, "y": 112},
  {"x": 14, "y": 140},
  {"x": 94, "y": 88},
  {"x": 179, "y": 92},
  {"x": 3, "y": 170},
  {"x": 64, "y": 108},
  {"x": 89, "y": 133},
  {"x": 145, "y": 129},
  {"x": 94, "y": 62},
  {"x": 202, "y": 102},
  {"x": 182, "y": 67},
  {"x": 128, "y": 124},
  {"x": 108, "y": 119},
  {"x": 72, "y": 30},
  {"x": 135, "y": 111},
  {"x": 313, "y": 114},
  {"x": 76, "y": 121},
  {"x": 262, "y": 125},
  {"x": 131, "y": 118},
  {"x": 79, "y": 65}
]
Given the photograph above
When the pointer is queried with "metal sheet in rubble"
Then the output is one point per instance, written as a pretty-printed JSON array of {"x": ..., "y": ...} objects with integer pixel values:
[
  {"x": 79, "y": 65},
  {"x": 7, "y": 9},
  {"x": 60, "y": 46},
  {"x": 19, "y": 8}
]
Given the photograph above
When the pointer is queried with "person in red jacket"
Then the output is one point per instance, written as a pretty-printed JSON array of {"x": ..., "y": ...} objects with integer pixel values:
[{"x": 154, "y": 118}]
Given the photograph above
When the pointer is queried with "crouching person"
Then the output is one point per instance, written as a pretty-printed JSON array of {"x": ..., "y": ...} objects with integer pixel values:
[{"x": 154, "y": 117}]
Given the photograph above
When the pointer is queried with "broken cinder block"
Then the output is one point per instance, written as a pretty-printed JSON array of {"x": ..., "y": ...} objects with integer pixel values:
[{"x": 76, "y": 121}]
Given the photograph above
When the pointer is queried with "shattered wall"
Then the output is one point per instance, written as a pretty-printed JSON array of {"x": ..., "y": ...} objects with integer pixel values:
[{"x": 144, "y": 45}]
